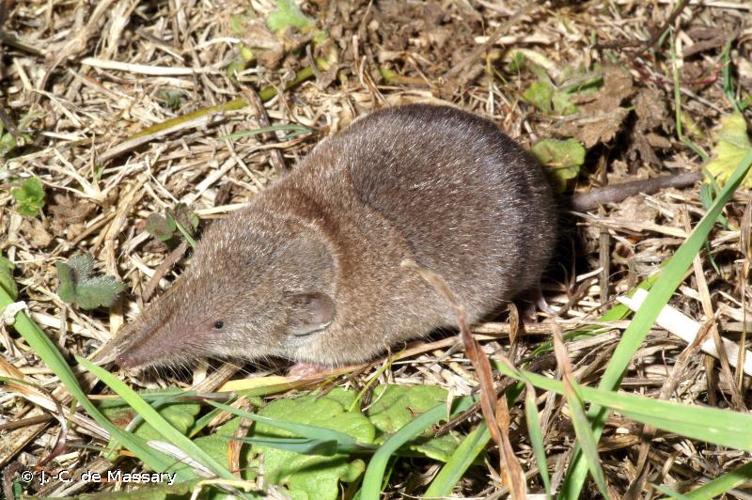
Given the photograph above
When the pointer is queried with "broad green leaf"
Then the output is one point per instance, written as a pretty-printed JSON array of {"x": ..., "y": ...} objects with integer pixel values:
[
  {"x": 302, "y": 426},
  {"x": 288, "y": 15},
  {"x": 344, "y": 442},
  {"x": 77, "y": 285},
  {"x": 29, "y": 196},
  {"x": 562, "y": 103},
  {"x": 539, "y": 94},
  {"x": 547, "y": 98},
  {"x": 732, "y": 143},
  {"x": 563, "y": 158},
  {"x": 7, "y": 143},
  {"x": 161, "y": 227},
  {"x": 437, "y": 448},
  {"x": 82, "y": 265},
  {"x": 98, "y": 291},
  {"x": 394, "y": 406},
  {"x": 305, "y": 476},
  {"x": 180, "y": 415}
]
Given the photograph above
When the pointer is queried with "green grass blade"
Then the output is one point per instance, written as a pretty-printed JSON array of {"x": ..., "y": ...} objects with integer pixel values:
[
  {"x": 462, "y": 458},
  {"x": 536, "y": 437},
  {"x": 585, "y": 437},
  {"x": 50, "y": 355},
  {"x": 374, "y": 476},
  {"x": 157, "y": 421},
  {"x": 671, "y": 493},
  {"x": 711, "y": 425},
  {"x": 724, "y": 483},
  {"x": 345, "y": 442},
  {"x": 466, "y": 453},
  {"x": 659, "y": 295},
  {"x": 304, "y": 446},
  {"x": 294, "y": 130}
]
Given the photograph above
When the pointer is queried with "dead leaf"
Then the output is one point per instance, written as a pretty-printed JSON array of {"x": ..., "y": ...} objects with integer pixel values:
[
  {"x": 34, "y": 231},
  {"x": 591, "y": 130},
  {"x": 643, "y": 146},
  {"x": 650, "y": 108},
  {"x": 658, "y": 141},
  {"x": 600, "y": 119},
  {"x": 267, "y": 47},
  {"x": 67, "y": 210},
  {"x": 617, "y": 86}
]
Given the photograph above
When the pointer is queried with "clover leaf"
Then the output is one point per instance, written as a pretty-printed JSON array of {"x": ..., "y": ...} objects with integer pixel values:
[{"x": 78, "y": 285}]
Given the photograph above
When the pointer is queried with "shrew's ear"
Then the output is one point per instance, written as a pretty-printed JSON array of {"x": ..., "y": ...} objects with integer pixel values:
[{"x": 310, "y": 312}]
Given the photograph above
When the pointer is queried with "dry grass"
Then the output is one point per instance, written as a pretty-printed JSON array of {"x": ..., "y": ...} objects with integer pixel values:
[{"x": 81, "y": 78}]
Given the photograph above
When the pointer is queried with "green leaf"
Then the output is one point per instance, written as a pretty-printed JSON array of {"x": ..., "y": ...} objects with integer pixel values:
[
  {"x": 539, "y": 94},
  {"x": 29, "y": 197},
  {"x": 394, "y": 406},
  {"x": 564, "y": 158},
  {"x": 300, "y": 442},
  {"x": 516, "y": 62},
  {"x": 537, "y": 440},
  {"x": 437, "y": 448},
  {"x": 312, "y": 477},
  {"x": 161, "y": 227},
  {"x": 732, "y": 143},
  {"x": 294, "y": 130},
  {"x": 585, "y": 436},
  {"x": 343, "y": 441},
  {"x": 183, "y": 216},
  {"x": 178, "y": 220},
  {"x": 6, "y": 278},
  {"x": 288, "y": 15},
  {"x": 98, "y": 291},
  {"x": 7, "y": 144},
  {"x": 720, "y": 485},
  {"x": 562, "y": 103},
  {"x": 671, "y": 493},
  {"x": 180, "y": 415},
  {"x": 83, "y": 265},
  {"x": 77, "y": 285},
  {"x": 171, "y": 98}
]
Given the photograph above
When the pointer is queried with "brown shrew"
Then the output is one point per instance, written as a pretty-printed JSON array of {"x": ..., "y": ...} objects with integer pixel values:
[{"x": 310, "y": 269}]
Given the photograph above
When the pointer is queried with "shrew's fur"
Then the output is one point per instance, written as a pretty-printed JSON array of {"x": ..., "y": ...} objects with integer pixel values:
[{"x": 310, "y": 269}]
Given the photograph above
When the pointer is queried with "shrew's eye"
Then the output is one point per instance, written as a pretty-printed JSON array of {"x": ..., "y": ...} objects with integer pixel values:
[{"x": 219, "y": 324}]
